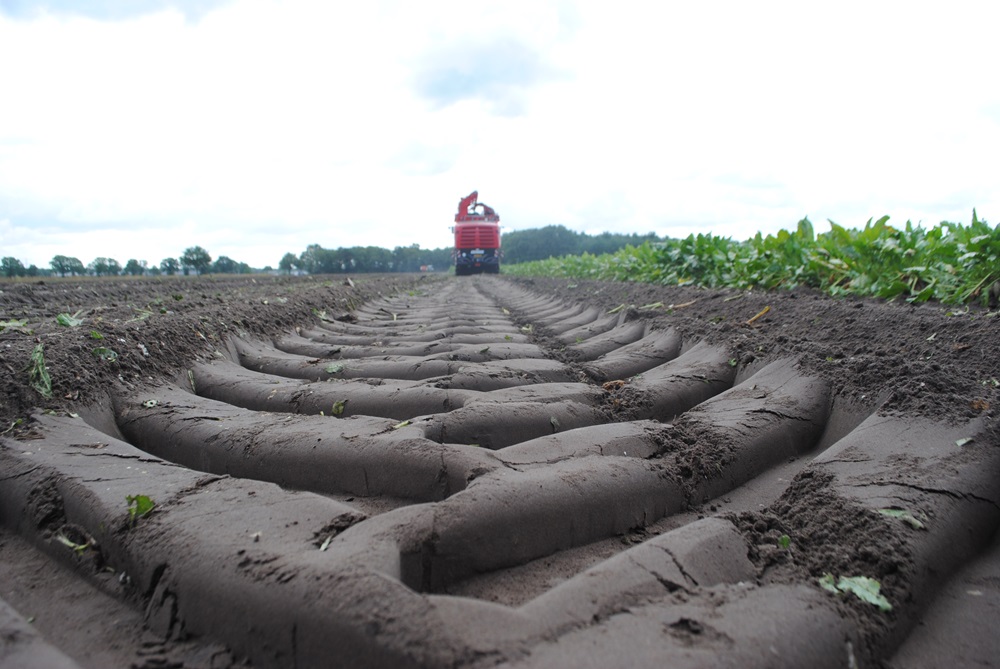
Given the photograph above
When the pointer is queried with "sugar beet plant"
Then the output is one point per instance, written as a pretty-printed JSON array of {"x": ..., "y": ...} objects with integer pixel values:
[{"x": 950, "y": 262}]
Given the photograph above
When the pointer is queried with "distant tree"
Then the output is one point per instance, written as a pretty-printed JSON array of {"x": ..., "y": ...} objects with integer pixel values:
[
  {"x": 11, "y": 267},
  {"x": 224, "y": 265},
  {"x": 196, "y": 258},
  {"x": 154, "y": 271},
  {"x": 170, "y": 266},
  {"x": 32, "y": 271},
  {"x": 135, "y": 267},
  {"x": 61, "y": 265},
  {"x": 105, "y": 267},
  {"x": 76, "y": 267},
  {"x": 287, "y": 262},
  {"x": 309, "y": 259}
]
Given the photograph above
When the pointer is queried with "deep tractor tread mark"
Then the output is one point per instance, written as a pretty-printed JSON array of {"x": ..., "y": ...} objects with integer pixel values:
[{"x": 506, "y": 437}]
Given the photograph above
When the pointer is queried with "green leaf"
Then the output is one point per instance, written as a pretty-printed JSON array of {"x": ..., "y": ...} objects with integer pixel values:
[
  {"x": 399, "y": 425},
  {"x": 69, "y": 321},
  {"x": 149, "y": 404},
  {"x": 15, "y": 324},
  {"x": 338, "y": 407},
  {"x": 784, "y": 541},
  {"x": 828, "y": 582},
  {"x": 138, "y": 506},
  {"x": 334, "y": 368},
  {"x": 866, "y": 589},
  {"x": 963, "y": 441},
  {"x": 94, "y": 334},
  {"x": 904, "y": 516},
  {"x": 38, "y": 374}
]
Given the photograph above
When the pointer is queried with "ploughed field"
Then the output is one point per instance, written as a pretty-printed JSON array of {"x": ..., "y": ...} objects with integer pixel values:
[{"x": 480, "y": 471}]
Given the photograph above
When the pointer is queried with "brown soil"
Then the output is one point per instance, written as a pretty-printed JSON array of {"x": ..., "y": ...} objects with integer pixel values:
[{"x": 489, "y": 495}]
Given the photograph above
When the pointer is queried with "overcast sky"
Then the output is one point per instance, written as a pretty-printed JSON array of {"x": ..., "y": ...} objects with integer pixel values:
[{"x": 136, "y": 129}]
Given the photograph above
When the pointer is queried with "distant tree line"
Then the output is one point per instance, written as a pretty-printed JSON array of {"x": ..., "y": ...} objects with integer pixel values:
[
  {"x": 194, "y": 260},
  {"x": 555, "y": 241},
  {"x": 358, "y": 259}
]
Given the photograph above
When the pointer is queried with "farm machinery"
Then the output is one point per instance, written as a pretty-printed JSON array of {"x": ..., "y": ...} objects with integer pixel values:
[{"x": 477, "y": 238}]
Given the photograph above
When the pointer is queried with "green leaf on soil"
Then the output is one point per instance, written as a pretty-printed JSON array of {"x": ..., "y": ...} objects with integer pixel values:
[
  {"x": 15, "y": 324},
  {"x": 38, "y": 374},
  {"x": 338, "y": 407},
  {"x": 828, "y": 582},
  {"x": 334, "y": 368},
  {"x": 149, "y": 404},
  {"x": 866, "y": 589},
  {"x": 784, "y": 541},
  {"x": 105, "y": 353},
  {"x": 508, "y": 338},
  {"x": 326, "y": 543},
  {"x": 138, "y": 506},
  {"x": 963, "y": 441},
  {"x": 485, "y": 350},
  {"x": 617, "y": 309},
  {"x": 904, "y": 516},
  {"x": 94, "y": 334},
  {"x": 527, "y": 328},
  {"x": 399, "y": 425},
  {"x": 69, "y": 321}
]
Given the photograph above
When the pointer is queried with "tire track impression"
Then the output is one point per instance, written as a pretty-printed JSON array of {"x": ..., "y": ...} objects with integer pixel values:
[{"x": 509, "y": 438}]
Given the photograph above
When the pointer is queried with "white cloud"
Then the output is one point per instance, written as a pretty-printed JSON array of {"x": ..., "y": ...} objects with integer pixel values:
[{"x": 262, "y": 126}]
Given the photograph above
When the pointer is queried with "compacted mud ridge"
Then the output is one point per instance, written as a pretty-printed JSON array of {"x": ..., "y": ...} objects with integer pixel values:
[{"x": 437, "y": 471}]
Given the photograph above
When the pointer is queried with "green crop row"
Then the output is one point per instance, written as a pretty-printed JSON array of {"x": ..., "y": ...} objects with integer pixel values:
[{"x": 951, "y": 262}]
